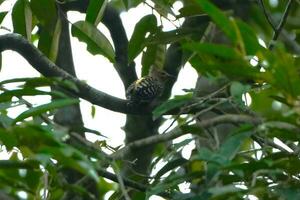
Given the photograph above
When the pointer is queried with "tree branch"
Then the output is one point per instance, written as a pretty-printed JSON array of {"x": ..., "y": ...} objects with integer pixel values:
[
  {"x": 47, "y": 68},
  {"x": 268, "y": 17},
  {"x": 278, "y": 29},
  {"x": 177, "y": 132},
  {"x": 111, "y": 19}
]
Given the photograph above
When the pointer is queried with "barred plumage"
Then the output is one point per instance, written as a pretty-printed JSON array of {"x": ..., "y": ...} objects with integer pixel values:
[
  {"x": 144, "y": 89},
  {"x": 148, "y": 88}
]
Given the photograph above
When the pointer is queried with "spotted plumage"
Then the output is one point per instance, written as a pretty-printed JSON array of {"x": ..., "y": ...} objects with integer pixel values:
[{"x": 144, "y": 89}]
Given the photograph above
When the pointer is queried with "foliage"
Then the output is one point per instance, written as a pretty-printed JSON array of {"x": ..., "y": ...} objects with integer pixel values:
[{"x": 257, "y": 159}]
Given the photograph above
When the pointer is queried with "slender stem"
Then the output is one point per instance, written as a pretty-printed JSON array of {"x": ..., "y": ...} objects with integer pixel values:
[
  {"x": 177, "y": 132},
  {"x": 267, "y": 15},
  {"x": 279, "y": 28}
]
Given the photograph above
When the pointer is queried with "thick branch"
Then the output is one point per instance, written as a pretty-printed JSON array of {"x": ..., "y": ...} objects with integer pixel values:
[
  {"x": 111, "y": 19},
  {"x": 47, "y": 68}
]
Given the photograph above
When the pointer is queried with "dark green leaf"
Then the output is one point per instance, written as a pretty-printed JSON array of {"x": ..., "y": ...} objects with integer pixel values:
[
  {"x": 280, "y": 99},
  {"x": 235, "y": 69},
  {"x": 237, "y": 90},
  {"x": 233, "y": 143},
  {"x": 131, "y": 3},
  {"x": 72, "y": 158},
  {"x": 49, "y": 41},
  {"x": 14, "y": 80},
  {"x": 170, "y": 166},
  {"x": 0, "y": 62},
  {"x": 249, "y": 38},
  {"x": 219, "y": 18},
  {"x": 45, "y": 11},
  {"x": 7, "y": 95},
  {"x": 147, "y": 24},
  {"x": 7, "y": 139},
  {"x": 44, "y": 108},
  {"x": 93, "y": 113},
  {"x": 96, "y": 42},
  {"x": 176, "y": 102},
  {"x": 95, "y": 11},
  {"x": 148, "y": 58},
  {"x": 220, "y": 190},
  {"x": 190, "y": 10},
  {"x": 22, "y": 18},
  {"x": 2, "y": 16},
  {"x": 220, "y": 50},
  {"x": 163, "y": 7},
  {"x": 290, "y": 193}
]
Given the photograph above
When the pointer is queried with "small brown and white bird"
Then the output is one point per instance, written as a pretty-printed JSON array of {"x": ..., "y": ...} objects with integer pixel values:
[{"x": 147, "y": 88}]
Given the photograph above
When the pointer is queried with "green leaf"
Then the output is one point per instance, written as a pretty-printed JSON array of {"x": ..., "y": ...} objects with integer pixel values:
[
  {"x": 190, "y": 10},
  {"x": 176, "y": 102},
  {"x": 44, "y": 108},
  {"x": 22, "y": 18},
  {"x": 7, "y": 95},
  {"x": 249, "y": 38},
  {"x": 288, "y": 192},
  {"x": 96, "y": 42},
  {"x": 95, "y": 11},
  {"x": 93, "y": 111},
  {"x": 8, "y": 139},
  {"x": 237, "y": 90},
  {"x": 14, "y": 80},
  {"x": 163, "y": 7},
  {"x": 154, "y": 55},
  {"x": 0, "y": 62},
  {"x": 45, "y": 11},
  {"x": 219, "y": 18},
  {"x": 148, "y": 58},
  {"x": 49, "y": 41},
  {"x": 131, "y": 3},
  {"x": 220, "y": 50},
  {"x": 221, "y": 190},
  {"x": 147, "y": 24},
  {"x": 170, "y": 166},
  {"x": 233, "y": 143},
  {"x": 43, "y": 81},
  {"x": 72, "y": 158},
  {"x": 237, "y": 69},
  {"x": 2, "y": 16}
]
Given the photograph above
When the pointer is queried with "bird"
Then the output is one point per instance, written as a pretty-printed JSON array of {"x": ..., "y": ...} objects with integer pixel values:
[{"x": 147, "y": 88}]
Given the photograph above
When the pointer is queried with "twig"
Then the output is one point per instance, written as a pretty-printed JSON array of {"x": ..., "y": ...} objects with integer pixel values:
[
  {"x": 276, "y": 29},
  {"x": 90, "y": 145},
  {"x": 280, "y": 25},
  {"x": 268, "y": 17},
  {"x": 120, "y": 181},
  {"x": 46, "y": 184},
  {"x": 128, "y": 182},
  {"x": 177, "y": 132},
  {"x": 269, "y": 142}
]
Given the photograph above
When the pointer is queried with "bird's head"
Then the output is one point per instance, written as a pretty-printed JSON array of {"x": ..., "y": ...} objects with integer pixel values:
[{"x": 160, "y": 74}]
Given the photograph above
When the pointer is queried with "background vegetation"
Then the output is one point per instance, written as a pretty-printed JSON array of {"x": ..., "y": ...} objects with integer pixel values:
[{"x": 241, "y": 118}]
